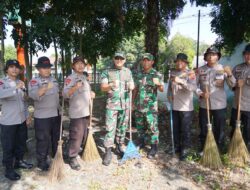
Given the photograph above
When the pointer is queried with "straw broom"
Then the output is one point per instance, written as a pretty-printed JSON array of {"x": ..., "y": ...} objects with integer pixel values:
[
  {"x": 211, "y": 156},
  {"x": 237, "y": 152},
  {"x": 56, "y": 172},
  {"x": 90, "y": 152}
]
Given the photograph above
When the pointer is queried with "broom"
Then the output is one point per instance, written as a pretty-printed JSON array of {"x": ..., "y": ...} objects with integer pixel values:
[
  {"x": 131, "y": 151},
  {"x": 56, "y": 172},
  {"x": 211, "y": 156},
  {"x": 237, "y": 151},
  {"x": 90, "y": 152}
]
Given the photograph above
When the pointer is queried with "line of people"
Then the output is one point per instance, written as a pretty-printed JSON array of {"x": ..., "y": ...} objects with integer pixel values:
[{"x": 118, "y": 81}]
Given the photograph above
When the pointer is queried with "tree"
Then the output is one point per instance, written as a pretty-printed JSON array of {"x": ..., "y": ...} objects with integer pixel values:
[
  {"x": 10, "y": 52},
  {"x": 231, "y": 21}
]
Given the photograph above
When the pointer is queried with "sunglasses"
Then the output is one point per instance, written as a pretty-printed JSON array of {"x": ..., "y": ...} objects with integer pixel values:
[{"x": 119, "y": 58}]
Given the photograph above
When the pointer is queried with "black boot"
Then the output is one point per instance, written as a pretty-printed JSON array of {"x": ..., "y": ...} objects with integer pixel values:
[
  {"x": 22, "y": 164},
  {"x": 11, "y": 174},
  {"x": 74, "y": 164},
  {"x": 120, "y": 150},
  {"x": 152, "y": 152},
  {"x": 43, "y": 166},
  {"x": 107, "y": 157},
  {"x": 141, "y": 143},
  {"x": 184, "y": 154}
]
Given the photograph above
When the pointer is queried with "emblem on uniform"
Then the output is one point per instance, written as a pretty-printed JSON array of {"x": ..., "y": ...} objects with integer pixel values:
[
  {"x": 67, "y": 81},
  {"x": 33, "y": 82},
  {"x": 1, "y": 83}
]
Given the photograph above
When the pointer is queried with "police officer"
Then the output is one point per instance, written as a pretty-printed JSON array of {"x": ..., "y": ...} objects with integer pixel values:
[
  {"x": 117, "y": 82},
  {"x": 13, "y": 120},
  {"x": 242, "y": 74},
  {"x": 180, "y": 93},
  {"x": 45, "y": 93},
  {"x": 147, "y": 82},
  {"x": 212, "y": 76},
  {"x": 78, "y": 90}
]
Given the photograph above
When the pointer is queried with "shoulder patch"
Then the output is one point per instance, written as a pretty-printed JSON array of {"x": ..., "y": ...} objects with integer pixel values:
[
  {"x": 33, "y": 82},
  {"x": 1, "y": 83},
  {"x": 67, "y": 81}
]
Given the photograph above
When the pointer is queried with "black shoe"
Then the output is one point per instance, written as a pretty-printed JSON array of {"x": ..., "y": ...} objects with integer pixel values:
[
  {"x": 120, "y": 150},
  {"x": 11, "y": 174},
  {"x": 74, "y": 164},
  {"x": 43, "y": 166},
  {"x": 152, "y": 152},
  {"x": 183, "y": 155},
  {"x": 107, "y": 157},
  {"x": 22, "y": 164},
  {"x": 141, "y": 143}
]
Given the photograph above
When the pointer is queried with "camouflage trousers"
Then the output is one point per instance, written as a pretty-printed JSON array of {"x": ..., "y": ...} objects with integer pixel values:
[
  {"x": 116, "y": 126},
  {"x": 147, "y": 126}
]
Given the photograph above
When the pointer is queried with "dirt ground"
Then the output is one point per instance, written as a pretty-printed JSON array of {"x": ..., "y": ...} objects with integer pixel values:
[{"x": 165, "y": 172}]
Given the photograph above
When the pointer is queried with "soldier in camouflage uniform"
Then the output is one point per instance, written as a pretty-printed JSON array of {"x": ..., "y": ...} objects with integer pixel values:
[
  {"x": 242, "y": 74},
  {"x": 180, "y": 93},
  {"x": 117, "y": 82},
  {"x": 147, "y": 82},
  {"x": 213, "y": 76}
]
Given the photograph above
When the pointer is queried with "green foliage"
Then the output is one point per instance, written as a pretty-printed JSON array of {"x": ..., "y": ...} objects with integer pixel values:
[
  {"x": 10, "y": 53},
  {"x": 231, "y": 21}
]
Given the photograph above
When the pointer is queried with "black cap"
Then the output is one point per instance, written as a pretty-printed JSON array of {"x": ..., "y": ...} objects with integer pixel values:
[
  {"x": 212, "y": 49},
  {"x": 182, "y": 57},
  {"x": 12, "y": 62},
  {"x": 247, "y": 49},
  {"x": 78, "y": 59},
  {"x": 43, "y": 62}
]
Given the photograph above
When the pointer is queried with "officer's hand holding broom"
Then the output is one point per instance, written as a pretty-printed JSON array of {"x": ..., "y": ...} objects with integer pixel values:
[
  {"x": 44, "y": 88},
  {"x": 228, "y": 71},
  {"x": 240, "y": 83},
  {"x": 20, "y": 85}
]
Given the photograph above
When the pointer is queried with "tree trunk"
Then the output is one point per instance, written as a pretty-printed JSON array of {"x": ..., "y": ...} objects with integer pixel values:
[
  {"x": 94, "y": 64},
  {"x": 26, "y": 51},
  {"x": 2, "y": 48},
  {"x": 152, "y": 28},
  {"x": 56, "y": 58},
  {"x": 62, "y": 64}
]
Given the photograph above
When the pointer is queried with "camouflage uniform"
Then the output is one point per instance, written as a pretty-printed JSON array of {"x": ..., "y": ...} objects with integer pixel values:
[
  {"x": 146, "y": 107},
  {"x": 117, "y": 107}
]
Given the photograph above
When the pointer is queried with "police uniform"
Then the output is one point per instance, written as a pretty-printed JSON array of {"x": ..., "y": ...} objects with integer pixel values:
[
  {"x": 146, "y": 106},
  {"x": 182, "y": 104},
  {"x": 79, "y": 103},
  {"x": 117, "y": 107},
  {"x": 214, "y": 78},
  {"x": 46, "y": 117},
  {"x": 242, "y": 71},
  {"x": 46, "y": 114},
  {"x": 13, "y": 124}
]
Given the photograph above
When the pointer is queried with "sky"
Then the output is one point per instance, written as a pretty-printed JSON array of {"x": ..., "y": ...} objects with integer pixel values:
[{"x": 186, "y": 24}]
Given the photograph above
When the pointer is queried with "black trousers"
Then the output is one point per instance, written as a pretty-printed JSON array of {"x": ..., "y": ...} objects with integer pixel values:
[
  {"x": 78, "y": 132},
  {"x": 245, "y": 121},
  {"x": 218, "y": 120},
  {"x": 13, "y": 139},
  {"x": 182, "y": 121},
  {"x": 47, "y": 131}
]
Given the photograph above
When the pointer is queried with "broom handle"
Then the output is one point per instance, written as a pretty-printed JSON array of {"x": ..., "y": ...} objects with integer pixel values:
[
  {"x": 61, "y": 122},
  {"x": 130, "y": 115},
  {"x": 239, "y": 101},
  {"x": 207, "y": 105},
  {"x": 91, "y": 111}
]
